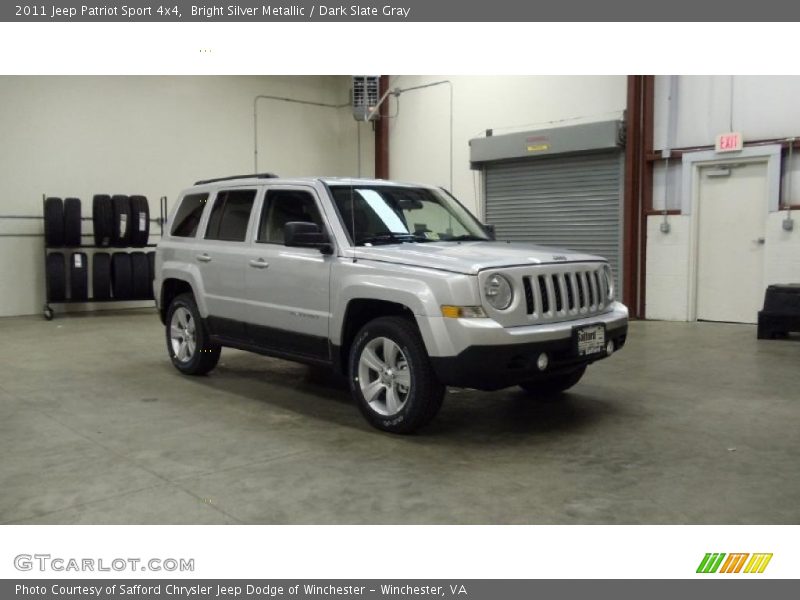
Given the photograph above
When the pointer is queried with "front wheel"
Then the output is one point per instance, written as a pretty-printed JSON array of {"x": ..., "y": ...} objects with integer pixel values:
[
  {"x": 188, "y": 342},
  {"x": 391, "y": 377},
  {"x": 552, "y": 387}
]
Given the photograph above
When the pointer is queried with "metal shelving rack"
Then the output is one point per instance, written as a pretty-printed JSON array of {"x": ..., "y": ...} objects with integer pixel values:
[{"x": 48, "y": 310}]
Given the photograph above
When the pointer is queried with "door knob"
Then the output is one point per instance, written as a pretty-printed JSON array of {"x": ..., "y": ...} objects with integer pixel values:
[
  {"x": 760, "y": 241},
  {"x": 259, "y": 263},
  {"x": 203, "y": 258}
]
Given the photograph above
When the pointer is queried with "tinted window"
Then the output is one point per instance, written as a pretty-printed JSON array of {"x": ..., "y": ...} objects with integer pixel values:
[
  {"x": 188, "y": 216},
  {"x": 230, "y": 215},
  {"x": 282, "y": 207}
]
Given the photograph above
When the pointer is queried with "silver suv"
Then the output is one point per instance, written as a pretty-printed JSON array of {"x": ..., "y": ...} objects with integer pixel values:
[{"x": 396, "y": 286}]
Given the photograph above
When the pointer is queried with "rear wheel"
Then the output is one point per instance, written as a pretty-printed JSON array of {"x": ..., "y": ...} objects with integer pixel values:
[
  {"x": 552, "y": 387},
  {"x": 188, "y": 342},
  {"x": 391, "y": 377}
]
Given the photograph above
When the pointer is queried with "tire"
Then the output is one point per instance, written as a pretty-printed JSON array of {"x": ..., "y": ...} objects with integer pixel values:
[
  {"x": 205, "y": 354},
  {"x": 140, "y": 276},
  {"x": 54, "y": 222},
  {"x": 56, "y": 274},
  {"x": 552, "y": 387},
  {"x": 72, "y": 222},
  {"x": 414, "y": 405},
  {"x": 102, "y": 220},
  {"x": 121, "y": 276},
  {"x": 140, "y": 222},
  {"x": 151, "y": 272},
  {"x": 78, "y": 276},
  {"x": 121, "y": 221},
  {"x": 101, "y": 276}
]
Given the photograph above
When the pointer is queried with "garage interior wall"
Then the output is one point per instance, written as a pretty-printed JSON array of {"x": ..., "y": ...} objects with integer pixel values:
[
  {"x": 761, "y": 108},
  {"x": 79, "y": 136},
  {"x": 419, "y": 145}
]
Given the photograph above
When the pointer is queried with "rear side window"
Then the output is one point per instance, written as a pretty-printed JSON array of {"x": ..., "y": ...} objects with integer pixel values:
[
  {"x": 188, "y": 216},
  {"x": 230, "y": 215}
]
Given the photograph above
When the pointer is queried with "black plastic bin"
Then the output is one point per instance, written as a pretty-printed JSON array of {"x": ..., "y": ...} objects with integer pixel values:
[{"x": 781, "y": 314}]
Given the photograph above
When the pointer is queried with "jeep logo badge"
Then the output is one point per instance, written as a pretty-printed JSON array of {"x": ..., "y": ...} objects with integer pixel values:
[{"x": 559, "y": 257}]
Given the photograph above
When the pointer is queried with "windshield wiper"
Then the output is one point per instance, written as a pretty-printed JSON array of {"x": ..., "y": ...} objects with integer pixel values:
[{"x": 391, "y": 237}]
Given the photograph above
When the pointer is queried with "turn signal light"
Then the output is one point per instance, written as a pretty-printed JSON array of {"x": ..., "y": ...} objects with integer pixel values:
[{"x": 463, "y": 312}]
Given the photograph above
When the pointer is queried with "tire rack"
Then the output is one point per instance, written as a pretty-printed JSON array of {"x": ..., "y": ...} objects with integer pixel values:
[{"x": 48, "y": 311}]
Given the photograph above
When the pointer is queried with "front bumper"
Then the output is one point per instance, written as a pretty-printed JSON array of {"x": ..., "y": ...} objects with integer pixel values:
[{"x": 490, "y": 357}]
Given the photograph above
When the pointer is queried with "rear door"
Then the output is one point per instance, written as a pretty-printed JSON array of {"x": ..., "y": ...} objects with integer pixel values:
[
  {"x": 223, "y": 258},
  {"x": 288, "y": 288}
]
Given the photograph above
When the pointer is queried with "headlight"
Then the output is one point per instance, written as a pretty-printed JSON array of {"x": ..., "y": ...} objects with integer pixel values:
[
  {"x": 498, "y": 291},
  {"x": 609, "y": 281}
]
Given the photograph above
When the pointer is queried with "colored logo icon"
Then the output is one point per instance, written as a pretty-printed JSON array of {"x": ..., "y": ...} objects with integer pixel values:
[{"x": 719, "y": 562}]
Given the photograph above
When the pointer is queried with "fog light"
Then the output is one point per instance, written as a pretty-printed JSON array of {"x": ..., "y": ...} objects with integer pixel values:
[
  {"x": 610, "y": 347},
  {"x": 542, "y": 361}
]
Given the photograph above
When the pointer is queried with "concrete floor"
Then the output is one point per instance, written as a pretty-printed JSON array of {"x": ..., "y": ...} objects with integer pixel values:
[{"x": 691, "y": 423}]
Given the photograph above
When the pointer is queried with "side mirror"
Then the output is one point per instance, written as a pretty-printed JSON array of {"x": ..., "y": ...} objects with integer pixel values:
[
  {"x": 490, "y": 231},
  {"x": 302, "y": 234}
]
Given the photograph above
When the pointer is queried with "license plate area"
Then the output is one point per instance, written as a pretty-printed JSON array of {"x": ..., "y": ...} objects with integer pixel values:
[{"x": 589, "y": 340}]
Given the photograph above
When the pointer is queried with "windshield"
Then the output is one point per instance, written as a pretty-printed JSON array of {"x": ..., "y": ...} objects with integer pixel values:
[{"x": 376, "y": 214}]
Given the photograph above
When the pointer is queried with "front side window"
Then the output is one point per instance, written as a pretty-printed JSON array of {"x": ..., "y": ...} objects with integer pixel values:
[
  {"x": 187, "y": 218},
  {"x": 230, "y": 215},
  {"x": 395, "y": 214},
  {"x": 282, "y": 207}
]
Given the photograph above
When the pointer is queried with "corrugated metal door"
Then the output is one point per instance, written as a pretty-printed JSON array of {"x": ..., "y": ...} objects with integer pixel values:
[{"x": 572, "y": 202}]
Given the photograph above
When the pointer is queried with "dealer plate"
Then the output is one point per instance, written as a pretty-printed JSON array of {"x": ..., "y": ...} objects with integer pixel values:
[{"x": 590, "y": 340}]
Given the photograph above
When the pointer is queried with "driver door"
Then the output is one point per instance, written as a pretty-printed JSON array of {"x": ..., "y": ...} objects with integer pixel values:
[{"x": 288, "y": 288}]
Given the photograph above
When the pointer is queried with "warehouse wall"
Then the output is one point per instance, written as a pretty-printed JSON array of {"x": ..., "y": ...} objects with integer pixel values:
[
  {"x": 419, "y": 135},
  {"x": 760, "y": 107},
  {"x": 77, "y": 136}
]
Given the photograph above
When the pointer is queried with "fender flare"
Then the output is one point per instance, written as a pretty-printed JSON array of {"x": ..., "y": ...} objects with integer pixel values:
[
  {"x": 409, "y": 292},
  {"x": 187, "y": 273}
]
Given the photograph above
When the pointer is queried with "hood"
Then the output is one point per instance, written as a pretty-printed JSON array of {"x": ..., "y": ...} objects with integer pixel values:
[{"x": 471, "y": 257}]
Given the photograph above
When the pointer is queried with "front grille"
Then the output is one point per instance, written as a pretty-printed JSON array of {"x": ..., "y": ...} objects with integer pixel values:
[{"x": 577, "y": 291}]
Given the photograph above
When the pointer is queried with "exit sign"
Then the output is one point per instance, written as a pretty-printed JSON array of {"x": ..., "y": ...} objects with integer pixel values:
[{"x": 729, "y": 142}]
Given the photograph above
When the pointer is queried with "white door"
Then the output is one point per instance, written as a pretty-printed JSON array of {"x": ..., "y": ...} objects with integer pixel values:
[{"x": 732, "y": 213}]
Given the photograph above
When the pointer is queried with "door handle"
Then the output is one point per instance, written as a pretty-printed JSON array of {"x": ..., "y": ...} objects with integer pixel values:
[
  {"x": 259, "y": 263},
  {"x": 203, "y": 258},
  {"x": 759, "y": 241}
]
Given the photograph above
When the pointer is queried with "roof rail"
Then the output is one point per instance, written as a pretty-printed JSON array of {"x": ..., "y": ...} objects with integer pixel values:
[{"x": 250, "y": 176}]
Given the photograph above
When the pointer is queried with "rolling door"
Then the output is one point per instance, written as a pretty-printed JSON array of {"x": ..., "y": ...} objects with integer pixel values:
[{"x": 571, "y": 202}]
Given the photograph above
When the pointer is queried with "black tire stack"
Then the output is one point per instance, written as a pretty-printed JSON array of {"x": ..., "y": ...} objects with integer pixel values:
[
  {"x": 62, "y": 228},
  {"x": 128, "y": 227},
  {"x": 119, "y": 221}
]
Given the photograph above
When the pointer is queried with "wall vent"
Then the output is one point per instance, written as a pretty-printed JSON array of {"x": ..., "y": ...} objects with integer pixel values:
[{"x": 365, "y": 96}]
